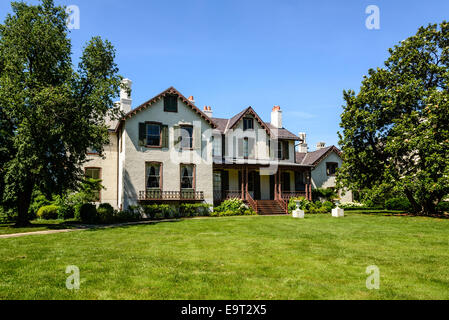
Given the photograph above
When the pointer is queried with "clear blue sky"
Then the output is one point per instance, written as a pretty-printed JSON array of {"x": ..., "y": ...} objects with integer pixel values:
[{"x": 234, "y": 54}]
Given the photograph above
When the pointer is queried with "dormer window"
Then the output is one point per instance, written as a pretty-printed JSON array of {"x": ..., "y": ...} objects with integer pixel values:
[
  {"x": 171, "y": 103},
  {"x": 248, "y": 124}
]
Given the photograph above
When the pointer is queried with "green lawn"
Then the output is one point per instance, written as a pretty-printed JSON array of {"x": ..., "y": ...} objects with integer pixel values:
[{"x": 236, "y": 258}]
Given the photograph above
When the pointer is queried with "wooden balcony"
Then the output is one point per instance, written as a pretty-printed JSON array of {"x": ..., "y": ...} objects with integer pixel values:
[{"x": 185, "y": 195}]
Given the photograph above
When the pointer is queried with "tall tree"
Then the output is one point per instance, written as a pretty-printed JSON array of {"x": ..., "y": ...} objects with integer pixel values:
[
  {"x": 54, "y": 113},
  {"x": 396, "y": 129}
]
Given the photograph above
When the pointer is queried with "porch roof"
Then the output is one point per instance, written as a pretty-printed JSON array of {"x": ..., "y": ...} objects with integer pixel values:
[{"x": 229, "y": 163}]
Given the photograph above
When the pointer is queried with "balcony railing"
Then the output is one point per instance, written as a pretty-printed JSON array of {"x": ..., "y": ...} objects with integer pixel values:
[{"x": 157, "y": 195}]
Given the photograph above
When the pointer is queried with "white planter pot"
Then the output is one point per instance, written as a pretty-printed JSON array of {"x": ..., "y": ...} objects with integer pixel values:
[
  {"x": 338, "y": 213},
  {"x": 298, "y": 214}
]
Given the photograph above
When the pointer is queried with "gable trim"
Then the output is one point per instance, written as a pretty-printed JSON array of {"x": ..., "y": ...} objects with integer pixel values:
[{"x": 159, "y": 97}]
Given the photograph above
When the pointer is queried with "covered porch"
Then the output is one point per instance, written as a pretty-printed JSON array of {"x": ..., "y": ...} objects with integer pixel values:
[{"x": 259, "y": 185}]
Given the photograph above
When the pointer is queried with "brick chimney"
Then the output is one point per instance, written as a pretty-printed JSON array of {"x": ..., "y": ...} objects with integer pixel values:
[
  {"x": 276, "y": 117},
  {"x": 208, "y": 111},
  {"x": 191, "y": 99}
]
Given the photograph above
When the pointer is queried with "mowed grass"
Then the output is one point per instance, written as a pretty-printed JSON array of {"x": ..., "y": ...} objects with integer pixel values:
[
  {"x": 36, "y": 225},
  {"x": 319, "y": 257}
]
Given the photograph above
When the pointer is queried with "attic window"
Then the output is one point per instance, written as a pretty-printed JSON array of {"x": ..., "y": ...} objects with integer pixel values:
[
  {"x": 171, "y": 103},
  {"x": 248, "y": 124}
]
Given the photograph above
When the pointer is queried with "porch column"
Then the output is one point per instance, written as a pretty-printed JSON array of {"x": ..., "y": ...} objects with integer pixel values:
[
  {"x": 246, "y": 183},
  {"x": 276, "y": 185},
  {"x": 243, "y": 182},
  {"x": 280, "y": 184},
  {"x": 307, "y": 186}
]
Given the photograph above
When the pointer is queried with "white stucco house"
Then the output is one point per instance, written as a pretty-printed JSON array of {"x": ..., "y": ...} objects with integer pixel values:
[
  {"x": 167, "y": 150},
  {"x": 325, "y": 162}
]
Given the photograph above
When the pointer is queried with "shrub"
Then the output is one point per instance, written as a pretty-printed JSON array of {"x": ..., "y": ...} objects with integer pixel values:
[
  {"x": 443, "y": 206},
  {"x": 229, "y": 213},
  {"x": 87, "y": 213},
  {"x": 194, "y": 209},
  {"x": 48, "y": 212},
  {"x": 38, "y": 201},
  {"x": 237, "y": 206},
  {"x": 328, "y": 206},
  {"x": 66, "y": 212},
  {"x": 398, "y": 204},
  {"x": 106, "y": 213},
  {"x": 133, "y": 213}
]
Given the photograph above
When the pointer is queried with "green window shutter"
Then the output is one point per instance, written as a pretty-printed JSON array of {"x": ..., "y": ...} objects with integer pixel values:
[
  {"x": 164, "y": 136},
  {"x": 251, "y": 148},
  {"x": 240, "y": 148},
  {"x": 223, "y": 145},
  {"x": 286, "y": 150},
  {"x": 177, "y": 136},
  {"x": 197, "y": 138},
  {"x": 142, "y": 134}
]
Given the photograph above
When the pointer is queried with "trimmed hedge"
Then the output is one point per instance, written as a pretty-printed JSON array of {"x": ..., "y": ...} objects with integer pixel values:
[
  {"x": 398, "y": 204},
  {"x": 87, "y": 213},
  {"x": 48, "y": 212},
  {"x": 106, "y": 213}
]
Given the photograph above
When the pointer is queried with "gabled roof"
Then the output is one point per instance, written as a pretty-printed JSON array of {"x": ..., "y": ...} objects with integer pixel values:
[
  {"x": 314, "y": 158},
  {"x": 248, "y": 111},
  {"x": 160, "y": 96},
  {"x": 276, "y": 133}
]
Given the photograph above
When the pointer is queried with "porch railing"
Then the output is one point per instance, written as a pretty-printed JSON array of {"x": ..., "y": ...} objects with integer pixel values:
[
  {"x": 251, "y": 202},
  {"x": 154, "y": 195},
  {"x": 229, "y": 194},
  {"x": 288, "y": 195}
]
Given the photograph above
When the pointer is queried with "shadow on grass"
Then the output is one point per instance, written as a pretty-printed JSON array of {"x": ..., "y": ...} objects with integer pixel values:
[
  {"x": 124, "y": 225},
  {"x": 396, "y": 213}
]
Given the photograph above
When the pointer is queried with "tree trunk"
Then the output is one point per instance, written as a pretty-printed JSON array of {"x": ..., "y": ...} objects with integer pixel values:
[
  {"x": 416, "y": 207},
  {"x": 23, "y": 205},
  {"x": 429, "y": 208}
]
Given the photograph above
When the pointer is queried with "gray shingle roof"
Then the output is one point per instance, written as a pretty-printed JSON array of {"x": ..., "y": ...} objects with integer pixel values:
[
  {"x": 224, "y": 124},
  {"x": 314, "y": 158}
]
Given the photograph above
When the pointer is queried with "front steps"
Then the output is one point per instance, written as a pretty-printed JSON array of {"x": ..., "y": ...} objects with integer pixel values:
[{"x": 269, "y": 207}]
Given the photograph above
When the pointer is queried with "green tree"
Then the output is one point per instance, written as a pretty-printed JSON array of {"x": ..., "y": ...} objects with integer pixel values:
[
  {"x": 54, "y": 112},
  {"x": 396, "y": 129}
]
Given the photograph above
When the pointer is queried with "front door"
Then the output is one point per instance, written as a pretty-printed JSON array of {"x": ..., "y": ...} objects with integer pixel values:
[{"x": 254, "y": 184}]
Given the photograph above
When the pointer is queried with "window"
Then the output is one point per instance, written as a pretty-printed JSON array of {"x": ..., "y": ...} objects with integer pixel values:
[
  {"x": 245, "y": 148},
  {"x": 216, "y": 146},
  {"x": 331, "y": 168},
  {"x": 171, "y": 103},
  {"x": 187, "y": 177},
  {"x": 153, "y": 176},
  {"x": 153, "y": 135},
  {"x": 92, "y": 151},
  {"x": 283, "y": 150},
  {"x": 280, "y": 150},
  {"x": 186, "y": 137},
  {"x": 94, "y": 173},
  {"x": 248, "y": 124},
  {"x": 300, "y": 181}
]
